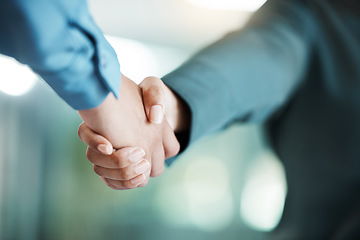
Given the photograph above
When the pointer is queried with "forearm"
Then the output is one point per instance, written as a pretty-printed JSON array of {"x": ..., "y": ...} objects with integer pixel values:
[
  {"x": 60, "y": 42},
  {"x": 247, "y": 75}
]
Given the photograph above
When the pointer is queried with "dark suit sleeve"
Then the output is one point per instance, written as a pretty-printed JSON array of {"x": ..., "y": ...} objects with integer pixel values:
[{"x": 250, "y": 73}]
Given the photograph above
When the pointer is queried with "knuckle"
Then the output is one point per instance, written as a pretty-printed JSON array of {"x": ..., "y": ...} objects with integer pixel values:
[
  {"x": 155, "y": 91},
  {"x": 156, "y": 80},
  {"x": 113, "y": 187},
  {"x": 89, "y": 154},
  {"x": 114, "y": 161},
  {"x": 173, "y": 150},
  {"x": 149, "y": 95},
  {"x": 121, "y": 153},
  {"x": 150, "y": 78},
  {"x": 144, "y": 183},
  {"x": 120, "y": 158},
  {"x": 128, "y": 184},
  {"x": 155, "y": 172},
  {"x": 151, "y": 82},
  {"x": 114, "y": 184},
  {"x": 97, "y": 170},
  {"x": 124, "y": 173},
  {"x": 92, "y": 143},
  {"x": 80, "y": 129}
]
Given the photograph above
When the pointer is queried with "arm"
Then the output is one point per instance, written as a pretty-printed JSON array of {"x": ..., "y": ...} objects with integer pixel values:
[
  {"x": 249, "y": 74},
  {"x": 246, "y": 76},
  {"x": 59, "y": 41}
]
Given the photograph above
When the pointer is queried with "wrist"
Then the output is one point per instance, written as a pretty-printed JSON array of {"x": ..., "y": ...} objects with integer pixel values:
[{"x": 108, "y": 118}]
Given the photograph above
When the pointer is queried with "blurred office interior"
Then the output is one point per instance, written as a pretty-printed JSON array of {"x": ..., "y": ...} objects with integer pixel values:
[{"x": 227, "y": 186}]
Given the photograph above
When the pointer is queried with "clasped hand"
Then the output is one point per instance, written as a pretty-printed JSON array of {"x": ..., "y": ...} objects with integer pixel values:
[{"x": 129, "y": 138}]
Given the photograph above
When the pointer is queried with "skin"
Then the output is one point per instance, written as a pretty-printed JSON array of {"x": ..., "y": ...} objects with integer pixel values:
[{"x": 113, "y": 129}]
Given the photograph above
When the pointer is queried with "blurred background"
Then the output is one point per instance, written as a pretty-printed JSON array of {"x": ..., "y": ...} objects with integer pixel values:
[{"x": 227, "y": 186}]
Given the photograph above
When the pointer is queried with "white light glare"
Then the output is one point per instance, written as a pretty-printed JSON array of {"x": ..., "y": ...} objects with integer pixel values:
[
  {"x": 232, "y": 5},
  {"x": 136, "y": 59},
  {"x": 15, "y": 78},
  {"x": 207, "y": 190},
  {"x": 263, "y": 197}
]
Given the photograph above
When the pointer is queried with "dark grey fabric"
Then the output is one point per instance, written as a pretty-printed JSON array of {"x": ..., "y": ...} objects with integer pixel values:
[{"x": 296, "y": 68}]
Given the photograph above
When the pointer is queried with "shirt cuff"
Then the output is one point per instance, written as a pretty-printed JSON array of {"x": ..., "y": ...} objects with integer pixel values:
[{"x": 89, "y": 78}]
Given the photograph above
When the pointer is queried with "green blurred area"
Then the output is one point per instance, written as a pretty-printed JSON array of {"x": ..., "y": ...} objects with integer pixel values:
[{"x": 49, "y": 191}]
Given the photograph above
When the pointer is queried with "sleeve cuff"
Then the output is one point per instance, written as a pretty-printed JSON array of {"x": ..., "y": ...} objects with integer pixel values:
[
  {"x": 209, "y": 112},
  {"x": 81, "y": 85}
]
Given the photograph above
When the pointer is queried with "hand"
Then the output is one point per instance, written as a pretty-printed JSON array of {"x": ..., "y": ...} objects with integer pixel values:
[
  {"x": 156, "y": 93},
  {"x": 124, "y": 161},
  {"x": 123, "y": 122},
  {"x": 132, "y": 171}
]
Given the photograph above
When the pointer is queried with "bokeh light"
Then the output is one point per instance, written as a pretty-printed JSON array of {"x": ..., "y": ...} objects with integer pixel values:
[
  {"x": 263, "y": 197},
  {"x": 208, "y": 194},
  {"x": 136, "y": 59},
  {"x": 230, "y": 5},
  {"x": 15, "y": 78}
]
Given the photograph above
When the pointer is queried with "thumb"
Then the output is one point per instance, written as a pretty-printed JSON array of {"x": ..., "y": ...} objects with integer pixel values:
[
  {"x": 94, "y": 141},
  {"x": 170, "y": 142},
  {"x": 154, "y": 99}
]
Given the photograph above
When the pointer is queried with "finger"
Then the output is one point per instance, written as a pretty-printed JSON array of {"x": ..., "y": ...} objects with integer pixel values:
[
  {"x": 93, "y": 140},
  {"x": 147, "y": 176},
  {"x": 106, "y": 182},
  {"x": 157, "y": 162},
  {"x": 123, "y": 173},
  {"x": 120, "y": 158},
  {"x": 128, "y": 184},
  {"x": 170, "y": 142},
  {"x": 144, "y": 183},
  {"x": 154, "y": 99}
]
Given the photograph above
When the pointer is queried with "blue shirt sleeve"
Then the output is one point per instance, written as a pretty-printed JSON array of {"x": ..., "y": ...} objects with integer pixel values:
[{"x": 59, "y": 40}]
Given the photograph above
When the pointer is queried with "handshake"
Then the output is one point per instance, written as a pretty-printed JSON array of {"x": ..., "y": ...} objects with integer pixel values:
[{"x": 129, "y": 138}]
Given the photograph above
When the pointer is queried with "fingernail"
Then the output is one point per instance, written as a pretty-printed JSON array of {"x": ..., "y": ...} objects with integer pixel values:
[
  {"x": 136, "y": 155},
  {"x": 104, "y": 148},
  {"x": 142, "y": 167},
  {"x": 138, "y": 179},
  {"x": 156, "y": 114}
]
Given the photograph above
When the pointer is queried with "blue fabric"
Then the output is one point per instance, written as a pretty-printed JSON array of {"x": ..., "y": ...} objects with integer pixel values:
[
  {"x": 59, "y": 40},
  {"x": 296, "y": 68},
  {"x": 248, "y": 74}
]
